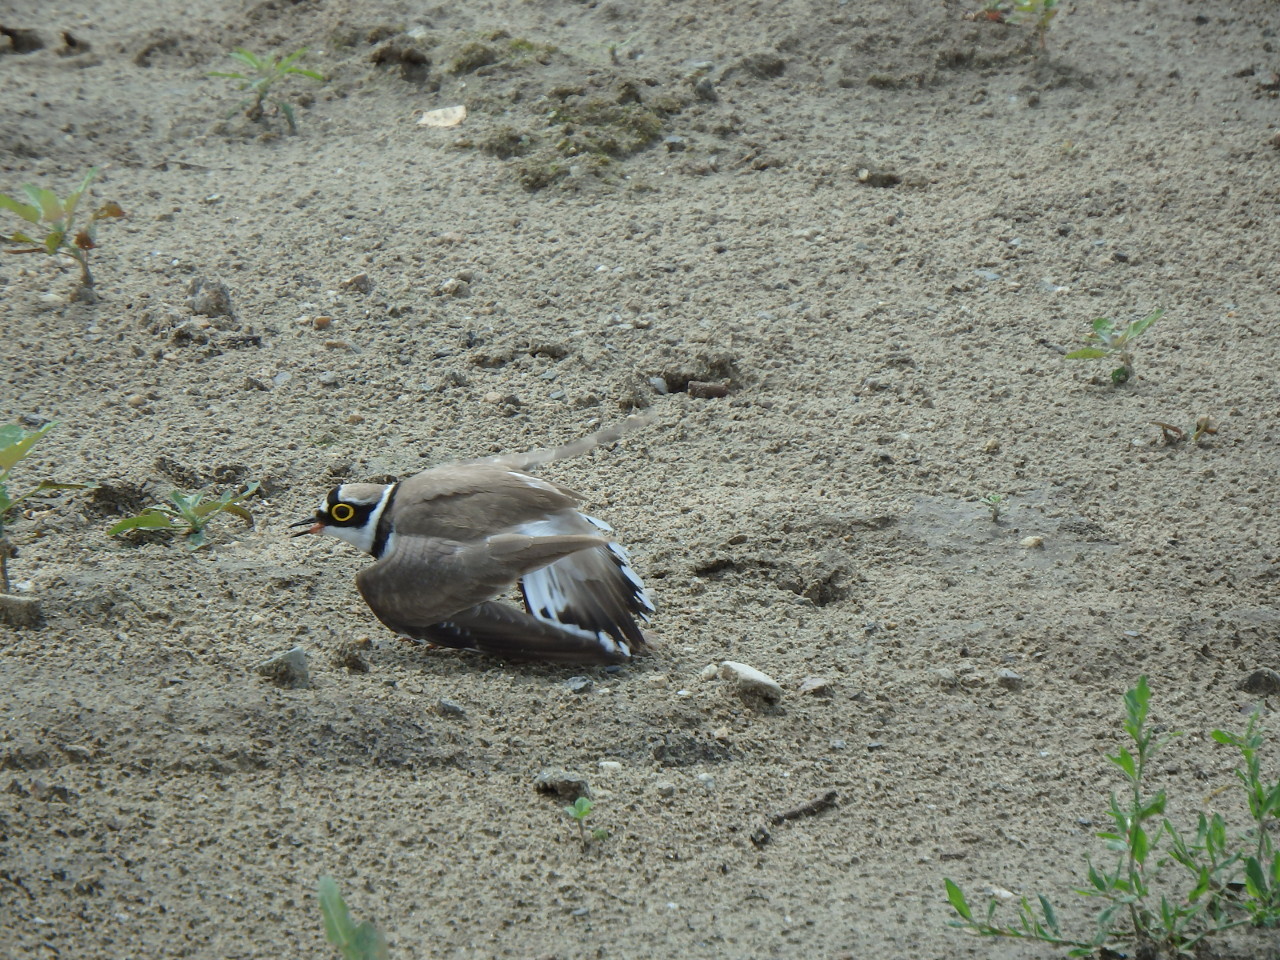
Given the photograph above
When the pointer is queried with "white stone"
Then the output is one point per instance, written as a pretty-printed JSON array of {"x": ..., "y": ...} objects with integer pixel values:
[{"x": 751, "y": 681}]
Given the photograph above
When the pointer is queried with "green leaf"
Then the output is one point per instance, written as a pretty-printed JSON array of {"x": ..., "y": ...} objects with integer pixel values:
[
  {"x": 228, "y": 76},
  {"x": 69, "y": 208},
  {"x": 53, "y": 241},
  {"x": 1255, "y": 881},
  {"x": 1139, "y": 327},
  {"x": 236, "y": 510},
  {"x": 1154, "y": 808},
  {"x": 1088, "y": 353},
  {"x": 24, "y": 210},
  {"x": 283, "y": 65},
  {"x": 16, "y": 443},
  {"x": 1124, "y": 760},
  {"x": 287, "y": 110},
  {"x": 19, "y": 237},
  {"x": 958, "y": 902},
  {"x": 250, "y": 60},
  {"x": 48, "y": 202},
  {"x": 361, "y": 942},
  {"x": 1103, "y": 325},
  {"x": 1140, "y": 845},
  {"x": 1049, "y": 916},
  {"x": 150, "y": 519},
  {"x": 314, "y": 75}
]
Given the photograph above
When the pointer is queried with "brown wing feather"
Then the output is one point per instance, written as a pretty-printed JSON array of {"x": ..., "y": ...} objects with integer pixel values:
[
  {"x": 467, "y": 501},
  {"x": 503, "y": 631},
  {"x": 420, "y": 581}
]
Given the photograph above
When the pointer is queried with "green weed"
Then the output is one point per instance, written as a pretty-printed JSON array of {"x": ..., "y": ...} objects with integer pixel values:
[
  {"x": 15, "y": 444},
  {"x": 1038, "y": 13},
  {"x": 264, "y": 73},
  {"x": 55, "y": 218},
  {"x": 1142, "y": 906},
  {"x": 1115, "y": 342},
  {"x": 579, "y": 810},
  {"x": 189, "y": 515},
  {"x": 995, "y": 503},
  {"x": 362, "y": 942}
]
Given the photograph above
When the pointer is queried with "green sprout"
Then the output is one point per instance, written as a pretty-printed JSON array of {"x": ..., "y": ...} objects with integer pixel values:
[
  {"x": 1115, "y": 342},
  {"x": 1205, "y": 426},
  {"x": 264, "y": 72},
  {"x": 15, "y": 444},
  {"x": 993, "y": 502},
  {"x": 1039, "y": 13},
  {"x": 579, "y": 810},
  {"x": 362, "y": 942},
  {"x": 1158, "y": 914},
  {"x": 56, "y": 220},
  {"x": 190, "y": 514}
]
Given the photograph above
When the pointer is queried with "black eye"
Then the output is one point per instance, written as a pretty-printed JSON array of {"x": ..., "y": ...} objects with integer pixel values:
[{"x": 342, "y": 512}]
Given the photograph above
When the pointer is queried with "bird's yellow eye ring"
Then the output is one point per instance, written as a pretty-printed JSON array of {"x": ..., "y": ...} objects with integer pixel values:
[{"x": 342, "y": 512}]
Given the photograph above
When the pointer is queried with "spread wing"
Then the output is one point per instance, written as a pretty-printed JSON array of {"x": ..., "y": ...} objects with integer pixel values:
[
  {"x": 421, "y": 581},
  {"x": 592, "y": 593}
]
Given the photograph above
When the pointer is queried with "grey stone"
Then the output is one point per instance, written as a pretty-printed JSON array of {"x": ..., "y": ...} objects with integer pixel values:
[{"x": 288, "y": 669}]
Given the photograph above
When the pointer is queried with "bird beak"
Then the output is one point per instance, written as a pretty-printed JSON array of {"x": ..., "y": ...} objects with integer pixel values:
[{"x": 312, "y": 525}]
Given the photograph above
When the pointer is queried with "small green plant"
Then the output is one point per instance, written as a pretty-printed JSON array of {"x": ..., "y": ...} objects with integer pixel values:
[
  {"x": 15, "y": 444},
  {"x": 1158, "y": 915},
  {"x": 190, "y": 514},
  {"x": 995, "y": 503},
  {"x": 1038, "y": 13},
  {"x": 1262, "y": 862},
  {"x": 263, "y": 74},
  {"x": 1115, "y": 342},
  {"x": 579, "y": 810},
  {"x": 56, "y": 220},
  {"x": 1203, "y": 427},
  {"x": 362, "y": 942}
]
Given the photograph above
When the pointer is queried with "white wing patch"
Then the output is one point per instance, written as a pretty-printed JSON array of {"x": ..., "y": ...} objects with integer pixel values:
[{"x": 567, "y": 593}]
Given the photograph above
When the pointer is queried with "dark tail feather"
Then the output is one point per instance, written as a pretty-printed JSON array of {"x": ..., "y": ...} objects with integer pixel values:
[{"x": 500, "y": 630}]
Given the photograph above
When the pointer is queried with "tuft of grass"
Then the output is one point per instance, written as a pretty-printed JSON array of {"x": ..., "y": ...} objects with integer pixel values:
[
  {"x": 1038, "y": 13},
  {"x": 995, "y": 503},
  {"x": 15, "y": 444},
  {"x": 264, "y": 73},
  {"x": 1116, "y": 341},
  {"x": 56, "y": 220},
  {"x": 354, "y": 942},
  {"x": 1220, "y": 880},
  {"x": 189, "y": 515}
]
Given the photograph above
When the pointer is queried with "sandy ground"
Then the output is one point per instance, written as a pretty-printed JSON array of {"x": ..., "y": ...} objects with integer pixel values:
[{"x": 880, "y": 225}]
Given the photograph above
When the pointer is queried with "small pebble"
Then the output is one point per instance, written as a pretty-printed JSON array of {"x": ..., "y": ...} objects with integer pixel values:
[
  {"x": 328, "y": 379},
  {"x": 562, "y": 783},
  {"x": 707, "y": 781},
  {"x": 1009, "y": 679},
  {"x": 579, "y": 685},
  {"x": 709, "y": 672},
  {"x": 750, "y": 681},
  {"x": 815, "y": 686},
  {"x": 448, "y": 708},
  {"x": 136, "y": 401},
  {"x": 321, "y": 322},
  {"x": 1264, "y": 682},
  {"x": 609, "y": 766},
  {"x": 1032, "y": 543},
  {"x": 288, "y": 669},
  {"x": 665, "y": 788}
]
